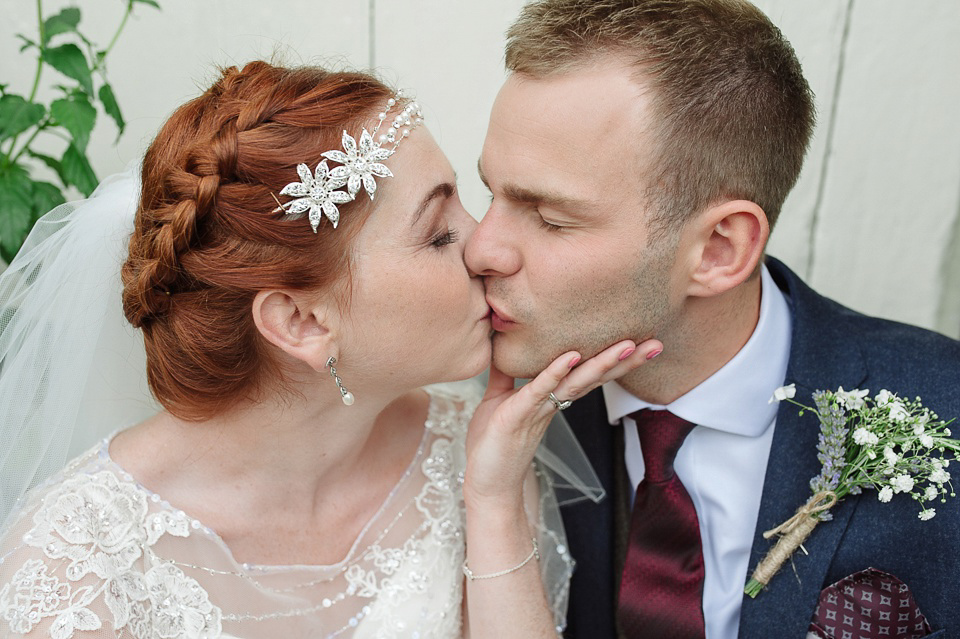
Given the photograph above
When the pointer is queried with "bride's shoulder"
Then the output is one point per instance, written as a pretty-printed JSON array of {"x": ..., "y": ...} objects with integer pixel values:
[{"x": 91, "y": 483}]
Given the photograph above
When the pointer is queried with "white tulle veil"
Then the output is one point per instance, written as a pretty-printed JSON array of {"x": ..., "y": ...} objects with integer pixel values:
[{"x": 72, "y": 370}]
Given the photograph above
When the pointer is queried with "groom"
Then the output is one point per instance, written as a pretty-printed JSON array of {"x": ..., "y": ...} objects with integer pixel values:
[{"x": 638, "y": 154}]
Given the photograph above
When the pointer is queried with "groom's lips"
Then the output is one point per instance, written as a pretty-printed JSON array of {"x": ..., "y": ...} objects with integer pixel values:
[{"x": 499, "y": 321}]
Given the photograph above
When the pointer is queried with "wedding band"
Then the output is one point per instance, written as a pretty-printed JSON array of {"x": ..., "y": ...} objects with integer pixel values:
[{"x": 557, "y": 403}]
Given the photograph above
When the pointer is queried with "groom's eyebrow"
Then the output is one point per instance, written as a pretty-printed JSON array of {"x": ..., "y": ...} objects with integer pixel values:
[
  {"x": 529, "y": 196},
  {"x": 444, "y": 190}
]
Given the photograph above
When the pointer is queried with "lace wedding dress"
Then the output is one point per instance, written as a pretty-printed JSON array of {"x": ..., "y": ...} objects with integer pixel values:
[{"x": 92, "y": 554}]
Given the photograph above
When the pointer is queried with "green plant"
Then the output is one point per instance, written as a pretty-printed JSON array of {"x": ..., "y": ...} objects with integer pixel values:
[{"x": 70, "y": 116}]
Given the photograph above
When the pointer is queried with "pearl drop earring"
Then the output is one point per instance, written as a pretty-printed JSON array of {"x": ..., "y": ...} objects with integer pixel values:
[{"x": 345, "y": 395}]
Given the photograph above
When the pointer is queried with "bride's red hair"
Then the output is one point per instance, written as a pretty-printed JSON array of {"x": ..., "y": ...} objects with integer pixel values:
[{"x": 207, "y": 240}]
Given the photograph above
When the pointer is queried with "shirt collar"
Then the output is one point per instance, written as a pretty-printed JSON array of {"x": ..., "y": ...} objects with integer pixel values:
[{"x": 736, "y": 398}]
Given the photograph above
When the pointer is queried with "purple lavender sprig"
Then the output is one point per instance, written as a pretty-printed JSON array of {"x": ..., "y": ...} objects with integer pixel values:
[{"x": 832, "y": 450}]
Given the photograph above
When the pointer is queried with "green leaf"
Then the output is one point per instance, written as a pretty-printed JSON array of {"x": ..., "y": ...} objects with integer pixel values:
[
  {"x": 69, "y": 60},
  {"x": 64, "y": 22},
  {"x": 45, "y": 197},
  {"x": 53, "y": 163},
  {"x": 15, "y": 209},
  {"x": 152, "y": 3},
  {"x": 109, "y": 101},
  {"x": 77, "y": 170},
  {"x": 76, "y": 115},
  {"x": 27, "y": 42},
  {"x": 17, "y": 115}
]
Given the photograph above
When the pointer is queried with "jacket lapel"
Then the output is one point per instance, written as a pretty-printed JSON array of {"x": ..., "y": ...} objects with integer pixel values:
[{"x": 823, "y": 357}]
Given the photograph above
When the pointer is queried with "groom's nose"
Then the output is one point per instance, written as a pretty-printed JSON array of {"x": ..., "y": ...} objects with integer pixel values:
[{"x": 492, "y": 250}]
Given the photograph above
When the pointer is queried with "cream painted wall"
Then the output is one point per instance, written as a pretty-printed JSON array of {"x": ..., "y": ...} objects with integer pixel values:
[{"x": 874, "y": 221}]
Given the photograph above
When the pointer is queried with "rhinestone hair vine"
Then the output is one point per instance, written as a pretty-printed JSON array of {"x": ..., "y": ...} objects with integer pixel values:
[{"x": 319, "y": 192}]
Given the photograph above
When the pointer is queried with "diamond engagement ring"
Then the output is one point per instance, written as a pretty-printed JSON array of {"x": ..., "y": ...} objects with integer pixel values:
[{"x": 557, "y": 403}]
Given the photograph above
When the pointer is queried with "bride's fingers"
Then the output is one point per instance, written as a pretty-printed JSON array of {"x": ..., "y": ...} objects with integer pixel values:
[
  {"x": 535, "y": 394},
  {"x": 611, "y": 363}
]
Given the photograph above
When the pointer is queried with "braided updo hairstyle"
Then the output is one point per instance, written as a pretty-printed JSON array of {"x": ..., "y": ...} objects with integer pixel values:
[{"x": 206, "y": 239}]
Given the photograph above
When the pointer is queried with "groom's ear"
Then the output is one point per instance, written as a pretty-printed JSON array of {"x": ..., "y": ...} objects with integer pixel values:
[
  {"x": 299, "y": 326},
  {"x": 726, "y": 247}
]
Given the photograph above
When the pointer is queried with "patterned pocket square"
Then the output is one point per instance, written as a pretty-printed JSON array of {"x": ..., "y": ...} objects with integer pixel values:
[{"x": 868, "y": 605}]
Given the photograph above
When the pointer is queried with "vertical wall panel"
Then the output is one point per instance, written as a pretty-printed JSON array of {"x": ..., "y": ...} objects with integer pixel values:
[
  {"x": 816, "y": 30},
  {"x": 451, "y": 53},
  {"x": 888, "y": 217}
]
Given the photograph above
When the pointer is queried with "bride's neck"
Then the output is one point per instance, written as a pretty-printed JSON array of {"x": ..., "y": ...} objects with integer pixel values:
[{"x": 280, "y": 451}]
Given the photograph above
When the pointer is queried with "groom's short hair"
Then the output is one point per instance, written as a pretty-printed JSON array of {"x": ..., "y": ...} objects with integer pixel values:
[{"x": 733, "y": 114}]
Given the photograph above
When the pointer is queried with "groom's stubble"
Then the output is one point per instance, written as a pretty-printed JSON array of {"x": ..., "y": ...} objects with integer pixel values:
[{"x": 590, "y": 316}]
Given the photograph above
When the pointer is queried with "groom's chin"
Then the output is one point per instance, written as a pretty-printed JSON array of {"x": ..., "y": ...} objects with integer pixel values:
[{"x": 518, "y": 360}]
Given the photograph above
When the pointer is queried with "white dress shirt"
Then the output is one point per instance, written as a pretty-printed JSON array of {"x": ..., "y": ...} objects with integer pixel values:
[{"x": 723, "y": 460}]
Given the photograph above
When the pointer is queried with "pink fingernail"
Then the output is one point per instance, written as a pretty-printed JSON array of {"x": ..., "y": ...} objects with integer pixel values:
[
  {"x": 574, "y": 362},
  {"x": 653, "y": 354},
  {"x": 627, "y": 353}
]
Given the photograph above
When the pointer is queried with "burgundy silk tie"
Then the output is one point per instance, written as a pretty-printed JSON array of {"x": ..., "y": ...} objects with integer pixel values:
[{"x": 661, "y": 589}]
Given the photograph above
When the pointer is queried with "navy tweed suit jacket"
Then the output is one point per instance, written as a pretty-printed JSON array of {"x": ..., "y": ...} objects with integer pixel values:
[{"x": 831, "y": 346}]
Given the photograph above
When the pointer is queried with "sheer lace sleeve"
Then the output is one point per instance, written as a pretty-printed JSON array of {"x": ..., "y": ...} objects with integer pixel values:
[{"x": 76, "y": 563}]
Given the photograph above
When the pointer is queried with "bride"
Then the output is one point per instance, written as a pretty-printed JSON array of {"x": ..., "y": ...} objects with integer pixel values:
[{"x": 302, "y": 479}]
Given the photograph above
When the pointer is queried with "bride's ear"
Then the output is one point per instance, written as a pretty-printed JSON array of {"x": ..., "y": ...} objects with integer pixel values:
[{"x": 300, "y": 327}]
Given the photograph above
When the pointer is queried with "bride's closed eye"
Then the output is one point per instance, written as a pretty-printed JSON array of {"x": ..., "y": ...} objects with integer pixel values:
[{"x": 444, "y": 238}]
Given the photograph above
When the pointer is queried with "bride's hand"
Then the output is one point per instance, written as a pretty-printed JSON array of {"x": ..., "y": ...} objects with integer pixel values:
[{"x": 509, "y": 423}]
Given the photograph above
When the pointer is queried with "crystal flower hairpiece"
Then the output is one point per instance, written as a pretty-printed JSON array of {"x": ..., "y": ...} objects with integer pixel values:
[{"x": 319, "y": 192}]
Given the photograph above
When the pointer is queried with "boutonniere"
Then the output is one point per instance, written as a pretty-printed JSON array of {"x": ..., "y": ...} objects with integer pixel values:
[{"x": 884, "y": 443}]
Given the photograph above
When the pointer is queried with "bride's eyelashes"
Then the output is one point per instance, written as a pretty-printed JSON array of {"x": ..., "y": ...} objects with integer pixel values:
[{"x": 445, "y": 237}]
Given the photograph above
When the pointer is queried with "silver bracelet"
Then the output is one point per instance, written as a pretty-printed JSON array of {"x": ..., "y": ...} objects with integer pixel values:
[{"x": 533, "y": 553}]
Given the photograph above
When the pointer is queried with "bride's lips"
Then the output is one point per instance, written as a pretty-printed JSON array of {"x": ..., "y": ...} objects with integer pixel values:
[{"x": 499, "y": 321}]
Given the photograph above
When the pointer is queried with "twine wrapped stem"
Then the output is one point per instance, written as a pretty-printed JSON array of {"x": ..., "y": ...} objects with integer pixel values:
[{"x": 793, "y": 533}]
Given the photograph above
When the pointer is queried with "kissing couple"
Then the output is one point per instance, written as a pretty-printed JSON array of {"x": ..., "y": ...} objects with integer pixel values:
[{"x": 295, "y": 272}]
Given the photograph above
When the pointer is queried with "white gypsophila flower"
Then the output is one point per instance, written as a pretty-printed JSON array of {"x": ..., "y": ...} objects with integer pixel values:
[
  {"x": 927, "y": 514},
  {"x": 926, "y": 441},
  {"x": 864, "y": 437},
  {"x": 360, "y": 162},
  {"x": 931, "y": 493},
  {"x": 939, "y": 476},
  {"x": 902, "y": 483},
  {"x": 897, "y": 412},
  {"x": 891, "y": 457},
  {"x": 784, "y": 392},
  {"x": 918, "y": 429},
  {"x": 871, "y": 454},
  {"x": 885, "y": 494},
  {"x": 317, "y": 194},
  {"x": 851, "y": 399},
  {"x": 946, "y": 431},
  {"x": 883, "y": 397}
]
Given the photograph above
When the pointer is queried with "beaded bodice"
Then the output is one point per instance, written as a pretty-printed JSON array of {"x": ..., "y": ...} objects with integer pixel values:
[{"x": 93, "y": 554}]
